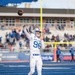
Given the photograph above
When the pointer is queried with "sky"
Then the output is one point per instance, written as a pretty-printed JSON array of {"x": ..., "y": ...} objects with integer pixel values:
[{"x": 66, "y": 4}]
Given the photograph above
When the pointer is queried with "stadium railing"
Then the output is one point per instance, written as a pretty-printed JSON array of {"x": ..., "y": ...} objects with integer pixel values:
[{"x": 19, "y": 24}]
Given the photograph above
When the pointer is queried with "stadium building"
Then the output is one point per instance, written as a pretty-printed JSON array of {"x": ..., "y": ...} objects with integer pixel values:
[
  {"x": 9, "y": 18},
  {"x": 31, "y": 16}
]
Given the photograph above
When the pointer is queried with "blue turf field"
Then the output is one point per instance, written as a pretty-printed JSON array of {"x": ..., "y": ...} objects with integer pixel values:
[{"x": 50, "y": 68}]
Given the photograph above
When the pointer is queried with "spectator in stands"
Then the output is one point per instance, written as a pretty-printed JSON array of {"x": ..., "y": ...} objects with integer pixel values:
[
  {"x": 0, "y": 39},
  {"x": 27, "y": 43},
  {"x": 7, "y": 38},
  {"x": 68, "y": 37},
  {"x": 22, "y": 34},
  {"x": 74, "y": 37},
  {"x": 9, "y": 34},
  {"x": 10, "y": 41},
  {"x": 20, "y": 44},
  {"x": 57, "y": 38},
  {"x": 72, "y": 54},
  {"x": 2, "y": 27},
  {"x": 53, "y": 38},
  {"x": 62, "y": 27},
  {"x": 47, "y": 30},
  {"x": 59, "y": 27},
  {"x": 47, "y": 48},
  {"x": 65, "y": 35},
  {"x": 13, "y": 34},
  {"x": 65, "y": 45},
  {"x": 58, "y": 52},
  {"x": 17, "y": 36},
  {"x": 5, "y": 45},
  {"x": 46, "y": 39}
]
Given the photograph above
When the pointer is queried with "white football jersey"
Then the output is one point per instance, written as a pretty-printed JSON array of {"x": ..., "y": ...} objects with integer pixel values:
[{"x": 35, "y": 43}]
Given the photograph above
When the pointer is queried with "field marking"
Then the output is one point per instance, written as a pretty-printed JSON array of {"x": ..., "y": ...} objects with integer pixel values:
[
  {"x": 56, "y": 68},
  {"x": 62, "y": 72},
  {"x": 15, "y": 66},
  {"x": 59, "y": 64}
]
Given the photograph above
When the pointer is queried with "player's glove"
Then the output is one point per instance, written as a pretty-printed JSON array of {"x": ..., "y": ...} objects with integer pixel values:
[{"x": 24, "y": 27}]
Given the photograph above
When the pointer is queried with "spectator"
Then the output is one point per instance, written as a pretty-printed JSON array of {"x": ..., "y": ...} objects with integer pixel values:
[
  {"x": 46, "y": 39},
  {"x": 0, "y": 39},
  {"x": 47, "y": 48},
  {"x": 73, "y": 37},
  {"x": 57, "y": 38},
  {"x": 27, "y": 43},
  {"x": 72, "y": 54},
  {"x": 65, "y": 45},
  {"x": 5, "y": 45},
  {"x": 53, "y": 38},
  {"x": 11, "y": 41},
  {"x": 2, "y": 27},
  {"x": 58, "y": 52},
  {"x": 48, "y": 31},
  {"x": 65, "y": 35},
  {"x": 17, "y": 36},
  {"x": 22, "y": 34},
  {"x": 20, "y": 44},
  {"x": 7, "y": 38}
]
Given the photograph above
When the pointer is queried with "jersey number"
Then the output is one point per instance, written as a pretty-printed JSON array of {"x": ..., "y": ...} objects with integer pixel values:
[{"x": 37, "y": 45}]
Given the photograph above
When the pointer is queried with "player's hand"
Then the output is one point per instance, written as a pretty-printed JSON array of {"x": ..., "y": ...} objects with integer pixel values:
[{"x": 24, "y": 27}]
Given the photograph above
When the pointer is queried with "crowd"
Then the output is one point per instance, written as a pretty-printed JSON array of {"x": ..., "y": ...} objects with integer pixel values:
[
  {"x": 57, "y": 27},
  {"x": 60, "y": 27},
  {"x": 14, "y": 37},
  {"x": 18, "y": 35},
  {"x": 66, "y": 38},
  {"x": 57, "y": 38}
]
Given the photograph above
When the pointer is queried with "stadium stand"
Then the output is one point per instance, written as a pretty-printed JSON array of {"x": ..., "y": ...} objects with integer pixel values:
[{"x": 14, "y": 36}]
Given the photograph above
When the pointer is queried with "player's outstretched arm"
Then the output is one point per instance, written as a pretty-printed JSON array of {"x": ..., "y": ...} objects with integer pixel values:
[{"x": 27, "y": 34}]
